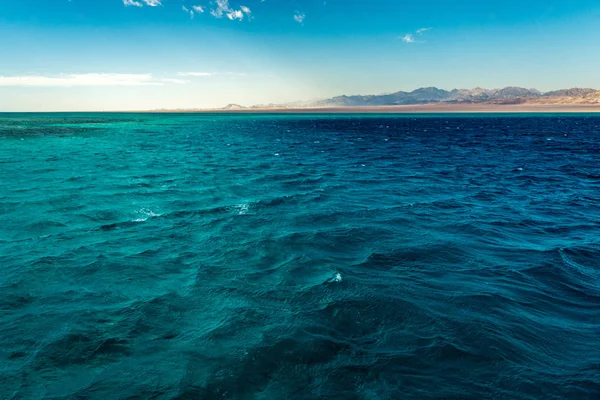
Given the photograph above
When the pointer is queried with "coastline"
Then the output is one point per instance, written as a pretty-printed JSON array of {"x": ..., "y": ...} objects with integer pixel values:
[{"x": 432, "y": 108}]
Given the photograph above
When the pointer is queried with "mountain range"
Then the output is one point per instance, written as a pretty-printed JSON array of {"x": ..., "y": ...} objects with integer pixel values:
[
  {"x": 428, "y": 95},
  {"x": 508, "y": 95}
]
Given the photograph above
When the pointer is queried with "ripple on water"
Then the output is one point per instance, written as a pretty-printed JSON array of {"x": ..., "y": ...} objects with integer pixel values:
[{"x": 299, "y": 256}]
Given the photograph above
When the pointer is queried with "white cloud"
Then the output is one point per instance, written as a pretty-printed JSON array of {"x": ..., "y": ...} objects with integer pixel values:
[
  {"x": 221, "y": 9},
  {"x": 195, "y": 74},
  {"x": 173, "y": 80},
  {"x": 193, "y": 10},
  {"x": 235, "y": 14},
  {"x": 78, "y": 80},
  {"x": 224, "y": 9},
  {"x": 135, "y": 3},
  {"x": 408, "y": 38},
  {"x": 203, "y": 74},
  {"x": 299, "y": 17},
  {"x": 188, "y": 11}
]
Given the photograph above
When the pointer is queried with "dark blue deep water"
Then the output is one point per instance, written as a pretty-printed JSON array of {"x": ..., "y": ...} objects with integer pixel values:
[{"x": 299, "y": 257}]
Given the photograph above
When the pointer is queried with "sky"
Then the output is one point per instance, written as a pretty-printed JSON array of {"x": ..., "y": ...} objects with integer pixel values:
[{"x": 59, "y": 55}]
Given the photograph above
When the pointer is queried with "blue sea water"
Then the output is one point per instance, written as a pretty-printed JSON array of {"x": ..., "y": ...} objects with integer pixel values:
[{"x": 199, "y": 256}]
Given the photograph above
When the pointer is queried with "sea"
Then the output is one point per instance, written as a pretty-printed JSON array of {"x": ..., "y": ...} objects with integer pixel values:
[{"x": 299, "y": 256}]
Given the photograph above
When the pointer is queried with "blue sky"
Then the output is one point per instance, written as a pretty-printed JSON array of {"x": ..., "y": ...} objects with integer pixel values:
[{"x": 141, "y": 54}]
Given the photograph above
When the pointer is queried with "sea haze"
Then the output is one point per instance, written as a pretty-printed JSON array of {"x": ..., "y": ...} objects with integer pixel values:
[{"x": 205, "y": 256}]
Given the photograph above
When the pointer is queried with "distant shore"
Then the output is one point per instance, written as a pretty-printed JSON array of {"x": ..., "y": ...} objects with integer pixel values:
[{"x": 418, "y": 108}]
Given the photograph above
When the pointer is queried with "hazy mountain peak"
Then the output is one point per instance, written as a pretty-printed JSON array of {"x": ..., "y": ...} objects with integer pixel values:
[{"x": 506, "y": 95}]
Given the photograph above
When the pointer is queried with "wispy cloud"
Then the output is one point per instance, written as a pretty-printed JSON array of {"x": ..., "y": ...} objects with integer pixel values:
[
  {"x": 235, "y": 14},
  {"x": 188, "y": 11},
  {"x": 173, "y": 80},
  {"x": 410, "y": 37},
  {"x": 76, "y": 80},
  {"x": 223, "y": 9},
  {"x": 152, "y": 3},
  {"x": 299, "y": 17},
  {"x": 195, "y": 74},
  {"x": 136, "y": 3},
  {"x": 222, "y": 6},
  {"x": 193, "y": 10},
  {"x": 204, "y": 74}
]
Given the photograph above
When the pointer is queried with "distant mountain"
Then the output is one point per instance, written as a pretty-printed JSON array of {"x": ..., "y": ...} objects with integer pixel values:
[
  {"x": 507, "y": 95},
  {"x": 233, "y": 107},
  {"x": 575, "y": 92},
  {"x": 593, "y": 96}
]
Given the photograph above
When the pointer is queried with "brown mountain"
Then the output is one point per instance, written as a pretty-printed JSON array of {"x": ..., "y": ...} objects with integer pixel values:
[{"x": 507, "y": 95}]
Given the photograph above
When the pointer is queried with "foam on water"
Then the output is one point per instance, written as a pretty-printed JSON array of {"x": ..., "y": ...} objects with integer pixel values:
[
  {"x": 144, "y": 214},
  {"x": 242, "y": 208},
  {"x": 336, "y": 278}
]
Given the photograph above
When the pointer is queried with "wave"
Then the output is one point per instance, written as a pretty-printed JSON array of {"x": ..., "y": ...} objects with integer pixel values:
[{"x": 377, "y": 257}]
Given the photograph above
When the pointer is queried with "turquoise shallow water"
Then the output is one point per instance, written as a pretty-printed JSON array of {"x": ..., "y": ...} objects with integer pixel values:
[{"x": 299, "y": 256}]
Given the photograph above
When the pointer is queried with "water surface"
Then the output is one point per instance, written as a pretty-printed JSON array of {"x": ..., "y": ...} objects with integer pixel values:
[{"x": 299, "y": 256}]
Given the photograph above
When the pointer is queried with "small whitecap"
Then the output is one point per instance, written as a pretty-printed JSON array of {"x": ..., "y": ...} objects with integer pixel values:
[
  {"x": 144, "y": 214},
  {"x": 276, "y": 154},
  {"x": 336, "y": 278},
  {"x": 242, "y": 208}
]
